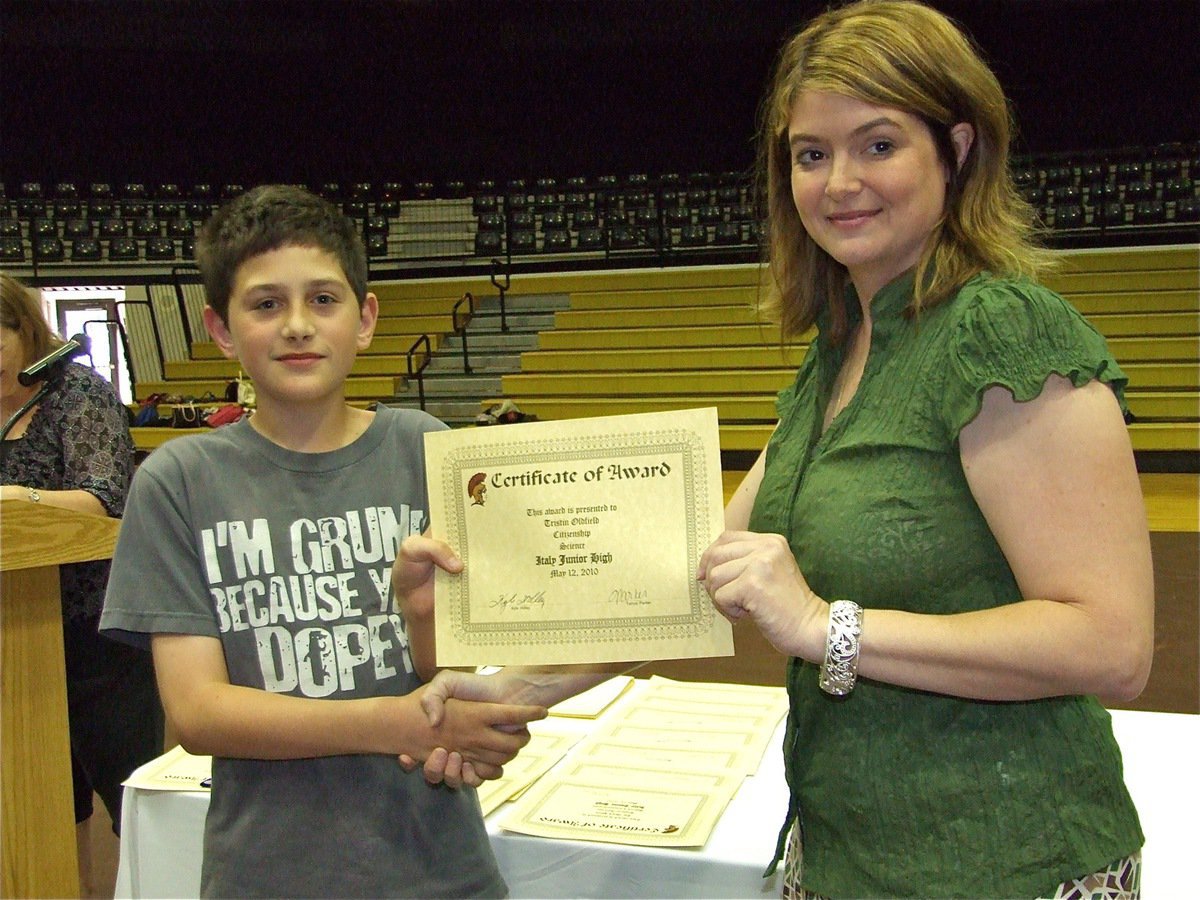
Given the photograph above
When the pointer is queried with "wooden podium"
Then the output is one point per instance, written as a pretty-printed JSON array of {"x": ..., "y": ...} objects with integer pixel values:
[{"x": 37, "y": 816}]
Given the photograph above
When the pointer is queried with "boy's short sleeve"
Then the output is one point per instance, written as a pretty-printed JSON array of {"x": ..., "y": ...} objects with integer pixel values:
[
  {"x": 156, "y": 584},
  {"x": 1015, "y": 335}
]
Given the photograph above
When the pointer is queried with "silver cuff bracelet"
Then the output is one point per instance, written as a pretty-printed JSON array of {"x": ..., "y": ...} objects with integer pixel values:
[{"x": 840, "y": 668}]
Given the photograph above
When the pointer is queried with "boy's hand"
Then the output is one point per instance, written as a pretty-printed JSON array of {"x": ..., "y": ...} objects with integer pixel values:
[
  {"x": 471, "y": 741},
  {"x": 413, "y": 573}
]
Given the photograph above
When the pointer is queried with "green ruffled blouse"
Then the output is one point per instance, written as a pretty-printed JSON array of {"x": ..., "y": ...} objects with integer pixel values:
[{"x": 901, "y": 792}]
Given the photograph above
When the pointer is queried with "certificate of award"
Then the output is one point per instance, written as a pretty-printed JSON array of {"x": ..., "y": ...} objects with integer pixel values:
[
  {"x": 652, "y": 808},
  {"x": 547, "y": 745},
  {"x": 175, "y": 770},
  {"x": 665, "y": 757},
  {"x": 592, "y": 702},
  {"x": 580, "y": 540}
]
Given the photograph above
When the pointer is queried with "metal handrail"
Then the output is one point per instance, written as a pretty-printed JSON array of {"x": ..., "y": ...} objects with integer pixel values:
[
  {"x": 497, "y": 266},
  {"x": 660, "y": 214},
  {"x": 417, "y": 372},
  {"x": 461, "y": 329}
]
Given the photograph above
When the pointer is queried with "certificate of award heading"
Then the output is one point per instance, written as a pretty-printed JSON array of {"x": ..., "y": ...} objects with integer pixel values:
[{"x": 580, "y": 540}]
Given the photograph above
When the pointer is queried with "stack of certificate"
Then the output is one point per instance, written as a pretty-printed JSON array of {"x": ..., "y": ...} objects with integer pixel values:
[
  {"x": 658, "y": 769},
  {"x": 175, "y": 770},
  {"x": 550, "y": 740}
]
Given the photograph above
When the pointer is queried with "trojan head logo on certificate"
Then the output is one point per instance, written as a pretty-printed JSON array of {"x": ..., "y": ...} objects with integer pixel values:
[{"x": 579, "y": 539}]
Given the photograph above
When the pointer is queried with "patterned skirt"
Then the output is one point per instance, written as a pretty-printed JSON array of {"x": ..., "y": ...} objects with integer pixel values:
[{"x": 1120, "y": 881}]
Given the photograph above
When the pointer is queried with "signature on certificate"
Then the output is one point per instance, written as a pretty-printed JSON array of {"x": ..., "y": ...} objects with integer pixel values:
[
  {"x": 629, "y": 597},
  {"x": 519, "y": 602}
]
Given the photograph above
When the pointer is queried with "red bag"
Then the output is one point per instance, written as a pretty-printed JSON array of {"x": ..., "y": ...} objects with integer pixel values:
[{"x": 224, "y": 415}]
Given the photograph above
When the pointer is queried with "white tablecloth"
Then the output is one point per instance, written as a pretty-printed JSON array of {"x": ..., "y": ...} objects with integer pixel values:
[
  {"x": 162, "y": 832},
  {"x": 162, "y": 835}
]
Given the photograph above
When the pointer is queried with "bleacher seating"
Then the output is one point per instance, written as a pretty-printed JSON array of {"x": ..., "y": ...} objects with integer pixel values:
[
  {"x": 1125, "y": 197},
  {"x": 666, "y": 338},
  {"x": 402, "y": 321},
  {"x": 1128, "y": 198},
  {"x": 673, "y": 344}
]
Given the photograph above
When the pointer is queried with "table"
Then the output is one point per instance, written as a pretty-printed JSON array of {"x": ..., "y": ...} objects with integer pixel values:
[{"x": 162, "y": 834}]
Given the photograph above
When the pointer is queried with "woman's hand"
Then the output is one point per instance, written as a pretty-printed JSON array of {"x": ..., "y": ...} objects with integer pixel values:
[
  {"x": 77, "y": 500},
  {"x": 451, "y": 767},
  {"x": 755, "y": 575}
]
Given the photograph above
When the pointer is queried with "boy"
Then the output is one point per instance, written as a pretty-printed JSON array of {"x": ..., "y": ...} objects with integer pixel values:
[{"x": 255, "y": 560}]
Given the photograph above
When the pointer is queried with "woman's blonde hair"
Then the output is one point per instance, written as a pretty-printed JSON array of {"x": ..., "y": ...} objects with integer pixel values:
[
  {"x": 905, "y": 56},
  {"x": 21, "y": 312}
]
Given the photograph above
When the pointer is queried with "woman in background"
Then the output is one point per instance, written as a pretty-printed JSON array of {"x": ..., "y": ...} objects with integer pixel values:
[
  {"x": 73, "y": 450},
  {"x": 945, "y": 533}
]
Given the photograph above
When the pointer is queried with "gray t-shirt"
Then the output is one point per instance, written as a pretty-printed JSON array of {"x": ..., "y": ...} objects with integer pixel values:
[{"x": 286, "y": 558}]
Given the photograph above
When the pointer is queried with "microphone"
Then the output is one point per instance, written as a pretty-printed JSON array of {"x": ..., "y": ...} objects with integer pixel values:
[{"x": 76, "y": 345}]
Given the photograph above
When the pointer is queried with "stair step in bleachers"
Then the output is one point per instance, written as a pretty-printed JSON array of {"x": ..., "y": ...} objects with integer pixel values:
[
  {"x": 381, "y": 345},
  {"x": 357, "y": 387},
  {"x": 1149, "y": 324},
  {"x": 481, "y": 361},
  {"x": 1166, "y": 406},
  {"x": 731, "y": 295},
  {"x": 757, "y": 334},
  {"x": 1162, "y": 349},
  {"x": 1157, "y": 436},
  {"x": 1163, "y": 376},
  {"x": 1113, "y": 326},
  {"x": 684, "y": 316},
  {"x": 225, "y": 369},
  {"x": 731, "y": 408},
  {"x": 453, "y": 386},
  {"x": 1126, "y": 259},
  {"x": 530, "y": 386},
  {"x": 1146, "y": 406},
  {"x": 1133, "y": 301},
  {"x": 518, "y": 322},
  {"x": 672, "y": 358},
  {"x": 419, "y": 306},
  {"x": 1159, "y": 348},
  {"x": 494, "y": 340},
  {"x": 453, "y": 412},
  {"x": 387, "y": 326}
]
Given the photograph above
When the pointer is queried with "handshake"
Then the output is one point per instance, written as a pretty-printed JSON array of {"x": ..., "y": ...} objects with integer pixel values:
[{"x": 478, "y": 716}]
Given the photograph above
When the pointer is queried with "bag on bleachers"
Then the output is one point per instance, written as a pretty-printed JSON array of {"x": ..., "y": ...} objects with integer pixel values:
[
  {"x": 224, "y": 415},
  {"x": 186, "y": 415},
  {"x": 503, "y": 413},
  {"x": 241, "y": 391},
  {"x": 147, "y": 415}
]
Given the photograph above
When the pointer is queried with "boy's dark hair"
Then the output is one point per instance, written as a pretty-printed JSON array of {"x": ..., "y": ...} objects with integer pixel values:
[{"x": 269, "y": 217}]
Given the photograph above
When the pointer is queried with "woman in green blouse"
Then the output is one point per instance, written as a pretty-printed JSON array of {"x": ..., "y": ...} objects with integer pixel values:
[{"x": 946, "y": 531}]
